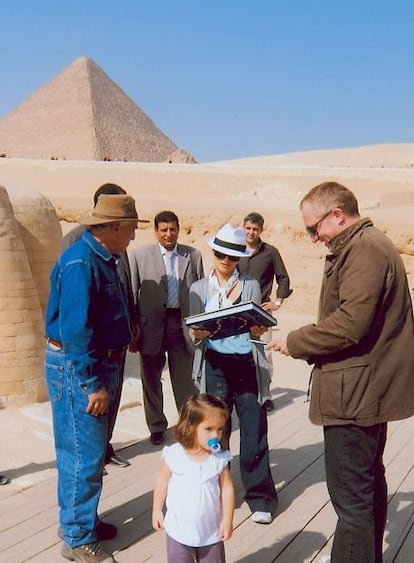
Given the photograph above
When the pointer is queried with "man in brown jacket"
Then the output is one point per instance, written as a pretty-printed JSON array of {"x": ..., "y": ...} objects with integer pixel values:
[{"x": 362, "y": 348}]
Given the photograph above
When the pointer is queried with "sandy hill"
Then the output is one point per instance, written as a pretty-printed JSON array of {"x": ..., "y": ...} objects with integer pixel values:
[
  {"x": 207, "y": 195},
  {"x": 397, "y": 155},
  {"x": 81, "y": 114}
]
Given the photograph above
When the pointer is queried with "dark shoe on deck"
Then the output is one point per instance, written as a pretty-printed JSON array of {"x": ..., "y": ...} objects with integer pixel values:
[
  {"x": 157, "y": 438},
  {"x": 104, "y": 531}
]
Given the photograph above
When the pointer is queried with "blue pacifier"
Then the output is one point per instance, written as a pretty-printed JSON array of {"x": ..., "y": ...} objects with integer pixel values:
[{"x": 214, "y": 445}]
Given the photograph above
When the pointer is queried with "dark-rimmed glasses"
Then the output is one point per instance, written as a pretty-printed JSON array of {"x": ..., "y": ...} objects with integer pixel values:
[
  {"x": 221, "y": 256},
  {"x": 313, "y": 230}
]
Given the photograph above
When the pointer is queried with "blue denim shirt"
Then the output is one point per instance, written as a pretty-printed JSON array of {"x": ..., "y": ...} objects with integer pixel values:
[{"x": 87, "y": 309}]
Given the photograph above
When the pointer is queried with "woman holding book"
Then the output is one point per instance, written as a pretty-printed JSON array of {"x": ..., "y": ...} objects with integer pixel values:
[{"x": 235, "y": 369}]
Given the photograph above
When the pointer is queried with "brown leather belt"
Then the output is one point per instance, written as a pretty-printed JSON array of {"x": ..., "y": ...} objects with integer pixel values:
[
  {"x": 114, "y": 354},
  {"x": 55, "y": 343}
]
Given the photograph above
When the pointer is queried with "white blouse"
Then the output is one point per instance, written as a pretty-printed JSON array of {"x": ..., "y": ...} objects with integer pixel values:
[{"x": 194, "y": 498}]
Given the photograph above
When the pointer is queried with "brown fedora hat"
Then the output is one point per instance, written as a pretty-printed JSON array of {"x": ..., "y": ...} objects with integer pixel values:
[{"x": 112, "y": 208}]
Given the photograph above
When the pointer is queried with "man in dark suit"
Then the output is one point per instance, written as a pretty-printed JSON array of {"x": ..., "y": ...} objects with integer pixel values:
[{"x": 161, "y": 276}]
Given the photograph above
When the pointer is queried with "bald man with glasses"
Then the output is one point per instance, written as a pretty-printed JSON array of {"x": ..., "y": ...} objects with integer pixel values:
[{"x": 363, "y": 355}]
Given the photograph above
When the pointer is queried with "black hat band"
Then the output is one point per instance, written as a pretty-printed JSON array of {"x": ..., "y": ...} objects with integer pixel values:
[{"x": 230, "y": 245}]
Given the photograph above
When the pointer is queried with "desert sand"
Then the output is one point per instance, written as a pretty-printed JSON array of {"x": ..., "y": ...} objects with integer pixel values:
[{"x": 205, "y": 196}]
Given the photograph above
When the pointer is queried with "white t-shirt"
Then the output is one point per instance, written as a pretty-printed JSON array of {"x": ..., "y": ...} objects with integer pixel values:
[{"x": 193, "y": 498}]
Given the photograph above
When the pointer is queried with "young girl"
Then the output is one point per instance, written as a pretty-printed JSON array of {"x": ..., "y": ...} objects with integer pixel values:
[{"x": 195, "y": 482}]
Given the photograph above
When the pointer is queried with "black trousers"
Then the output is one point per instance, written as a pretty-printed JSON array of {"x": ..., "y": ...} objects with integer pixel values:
[
  {"x": 232, "y": 377},
  {"x": 113, "y": 411},
  {"x": 355, "y": 477}
]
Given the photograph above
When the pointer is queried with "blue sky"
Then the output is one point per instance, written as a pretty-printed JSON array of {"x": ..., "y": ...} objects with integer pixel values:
[{"x": 230, "y": 78}]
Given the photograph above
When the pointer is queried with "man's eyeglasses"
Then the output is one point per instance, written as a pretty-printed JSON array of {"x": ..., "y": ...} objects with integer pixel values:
[
  {"x": 313, "y": 230},
  {"x": 222, "y": 256}
]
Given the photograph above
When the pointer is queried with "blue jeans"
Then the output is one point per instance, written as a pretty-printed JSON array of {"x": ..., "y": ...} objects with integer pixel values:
[
  {"x": 232, "y": 377},
  {"x": 80, "y": 442},
  {"x": 355, "y": 477}
]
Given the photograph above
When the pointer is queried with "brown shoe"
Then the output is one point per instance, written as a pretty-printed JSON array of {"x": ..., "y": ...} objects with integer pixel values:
[{"x": 87, "y": 553}]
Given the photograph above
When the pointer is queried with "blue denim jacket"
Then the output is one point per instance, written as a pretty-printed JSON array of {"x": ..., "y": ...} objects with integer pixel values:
[{"x": 87, "y": 310}]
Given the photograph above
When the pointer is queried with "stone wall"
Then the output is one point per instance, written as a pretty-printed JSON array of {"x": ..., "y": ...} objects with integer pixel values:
[{"x": 30, "y": 239}]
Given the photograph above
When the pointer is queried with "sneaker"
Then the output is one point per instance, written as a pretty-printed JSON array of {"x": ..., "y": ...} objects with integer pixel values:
[
  {"x": 3, "y": 480},
  {"x": 262, "y": 517},
  {"x": 104, "y": 531},
  {"x": 87, "y": 553},
  {"x": 117, "y": 459}
]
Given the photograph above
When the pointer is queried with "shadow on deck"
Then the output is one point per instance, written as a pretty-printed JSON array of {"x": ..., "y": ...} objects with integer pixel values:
[{"x": 301, "y": 531}]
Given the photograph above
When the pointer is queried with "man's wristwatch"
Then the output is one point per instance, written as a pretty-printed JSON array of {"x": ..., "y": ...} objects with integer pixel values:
[{"x": 278, "y": 302}]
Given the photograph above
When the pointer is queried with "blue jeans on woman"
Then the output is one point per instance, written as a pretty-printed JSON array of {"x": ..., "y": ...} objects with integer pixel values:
[
  {"x": 355, "y": 477},
  {"x": 80, "y": 442},
  {"x": 232, "y": 377}
]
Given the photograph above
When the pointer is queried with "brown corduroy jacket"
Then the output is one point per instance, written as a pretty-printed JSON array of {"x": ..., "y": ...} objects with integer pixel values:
[{"x": 363, "y": 343}]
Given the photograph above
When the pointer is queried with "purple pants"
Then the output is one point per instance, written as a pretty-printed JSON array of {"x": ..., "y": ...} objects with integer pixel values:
[{"x": 179, "y": 553}]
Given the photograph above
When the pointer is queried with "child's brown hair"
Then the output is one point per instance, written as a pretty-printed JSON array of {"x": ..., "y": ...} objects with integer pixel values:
[{"x": 192, "y": 413}]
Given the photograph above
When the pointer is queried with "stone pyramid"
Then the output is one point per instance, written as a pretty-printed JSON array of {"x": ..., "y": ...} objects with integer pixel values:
[{"x": 81, "y": 114}]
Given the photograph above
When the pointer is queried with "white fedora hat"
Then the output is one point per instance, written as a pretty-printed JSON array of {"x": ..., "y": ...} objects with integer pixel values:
[{"x": 230, "y": 241}]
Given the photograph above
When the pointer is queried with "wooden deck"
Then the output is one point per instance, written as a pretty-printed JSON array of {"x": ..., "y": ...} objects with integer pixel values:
[{"x": 301, "y": 532}]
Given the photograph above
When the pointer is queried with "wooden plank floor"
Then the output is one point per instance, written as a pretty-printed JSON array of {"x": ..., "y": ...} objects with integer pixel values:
[{"x": 301, "y": 532}]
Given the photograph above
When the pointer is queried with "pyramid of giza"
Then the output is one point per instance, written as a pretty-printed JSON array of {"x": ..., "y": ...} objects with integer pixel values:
[{"x": 81, "y": 114}]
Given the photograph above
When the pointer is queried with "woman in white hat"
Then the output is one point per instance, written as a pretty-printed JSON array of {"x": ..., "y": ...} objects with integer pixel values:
[{"x": 235, "y": 369}]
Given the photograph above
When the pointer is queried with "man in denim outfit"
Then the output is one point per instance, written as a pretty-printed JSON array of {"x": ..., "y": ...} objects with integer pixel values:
[
  {"x": 70, "y": 238},
  {"x": 88, "y": 328}
]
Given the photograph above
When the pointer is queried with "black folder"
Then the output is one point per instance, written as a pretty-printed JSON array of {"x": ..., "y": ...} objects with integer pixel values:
[{"x": 231, "y": 320}]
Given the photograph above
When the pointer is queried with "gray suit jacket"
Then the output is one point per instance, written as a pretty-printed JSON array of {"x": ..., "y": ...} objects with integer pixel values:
[{"x": 149, "y": 286}]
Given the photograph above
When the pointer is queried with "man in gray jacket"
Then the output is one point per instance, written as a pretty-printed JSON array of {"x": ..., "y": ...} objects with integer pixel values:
[
  {"x": 161, "y": 276},
  {"x": 363, "y": 355}
]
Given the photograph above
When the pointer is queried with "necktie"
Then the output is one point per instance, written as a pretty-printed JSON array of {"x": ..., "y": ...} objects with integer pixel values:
[{"x": 172, "y": 282}]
